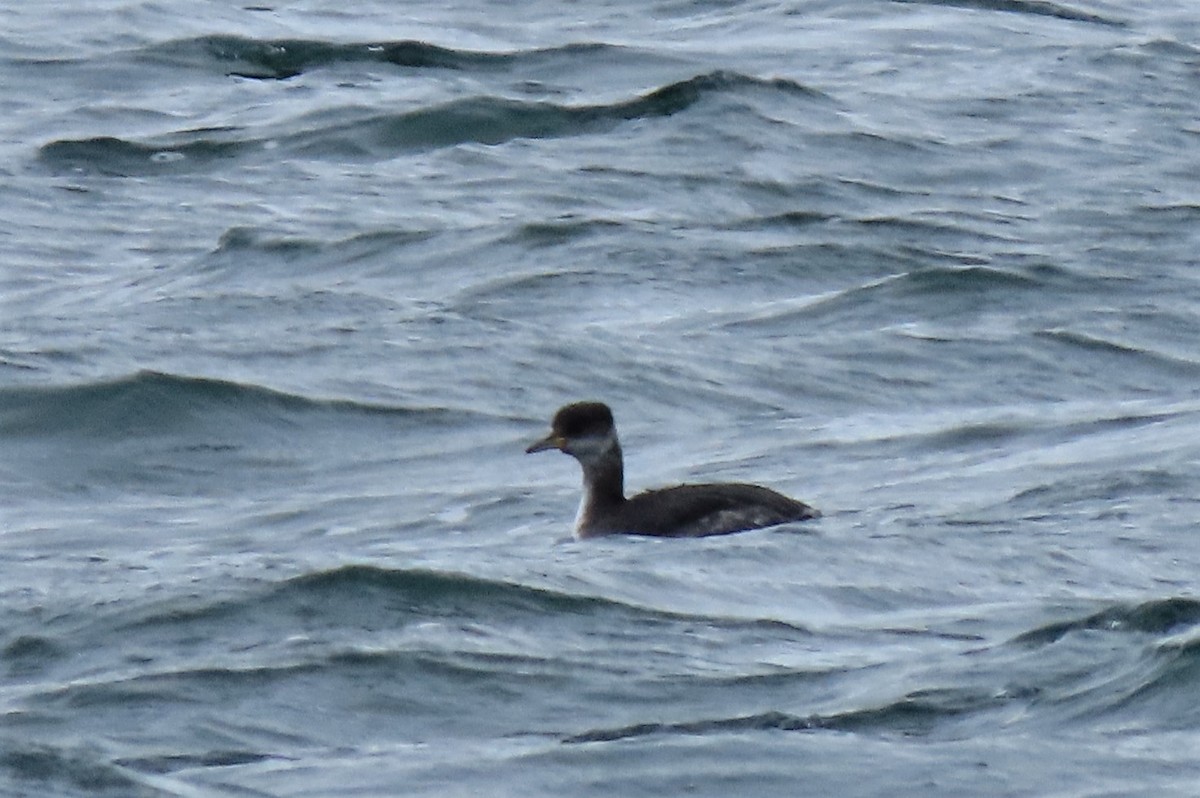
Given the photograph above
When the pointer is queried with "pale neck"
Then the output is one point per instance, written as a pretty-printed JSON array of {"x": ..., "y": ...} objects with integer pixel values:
[{"x": 604, "y": 479}]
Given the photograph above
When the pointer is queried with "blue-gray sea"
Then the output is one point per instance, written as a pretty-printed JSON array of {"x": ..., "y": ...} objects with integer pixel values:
[{"x": 285, "y": 290}]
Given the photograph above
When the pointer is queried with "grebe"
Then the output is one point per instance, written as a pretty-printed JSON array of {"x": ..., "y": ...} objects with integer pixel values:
[{"x": 585, "y": 430}]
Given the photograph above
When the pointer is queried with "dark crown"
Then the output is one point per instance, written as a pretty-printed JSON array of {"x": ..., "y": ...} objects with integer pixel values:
[{"x": 583, "y": 420}]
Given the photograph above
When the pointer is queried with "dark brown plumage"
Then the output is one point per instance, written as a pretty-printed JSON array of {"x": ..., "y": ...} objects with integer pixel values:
[{"x": 585, "y": 430}]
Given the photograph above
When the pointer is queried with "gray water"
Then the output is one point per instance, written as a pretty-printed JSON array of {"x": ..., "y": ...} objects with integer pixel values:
[{"x": 285, "y": 292}]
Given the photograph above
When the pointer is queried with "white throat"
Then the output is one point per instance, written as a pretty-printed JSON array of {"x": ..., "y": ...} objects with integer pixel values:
[
  {"x": 600, "y": 458},
  {"x": 581, "y": 513}
]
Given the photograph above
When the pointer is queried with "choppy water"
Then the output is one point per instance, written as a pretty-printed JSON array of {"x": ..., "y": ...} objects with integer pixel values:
[{"x": 285, "y": 292}]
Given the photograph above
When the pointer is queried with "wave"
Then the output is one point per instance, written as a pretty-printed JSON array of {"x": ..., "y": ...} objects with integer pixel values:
[
  {"x": 28, "y": 654},
  {"x": 278, "y": 59},
  {"x": 1017, "y": 682},
  {"x": 343, "y": 628},
  {"x": 1086, "y": 344},
  {"x": 109, "y": 155},
  {"x": 1160, "y": 617},
  {"x": 916, "y": 714},
  {"x": 72, "y": 772},
  {"x": 1037, "y": 8},
  {"x": 1145, "y": 676},
  {"x": 971, "y": 280},
  {"x": 423, "y": 593},
  {"x": 169, "y": 763},
  {"x": 354, "y": 597},
  {"x": 237, "y": 241},
  {"x": 484, "y": 120},
  {"x": 1165, "y": 695},
  {"x": 173, "y": 435},
  {"x": 323, "y": 606},
  {"x": 118, "y": 156},
  {"x": 969, "y": 284},
  {"x": 150, "y": 402}
]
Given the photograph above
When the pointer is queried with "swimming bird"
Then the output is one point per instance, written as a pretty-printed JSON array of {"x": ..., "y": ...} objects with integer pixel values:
[{"x": 585, "y": 430}]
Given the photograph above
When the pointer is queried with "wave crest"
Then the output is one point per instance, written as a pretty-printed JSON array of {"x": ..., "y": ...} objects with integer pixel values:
[
  {"x": 488, "y": 120},
  {"x": 152, "y": 401},
  {"x": 1161, "y": 617},
  {"x": 279, "y": 59}
]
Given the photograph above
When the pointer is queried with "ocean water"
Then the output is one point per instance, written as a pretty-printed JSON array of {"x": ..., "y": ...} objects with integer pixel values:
[{"x": 285, "y": 292}]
